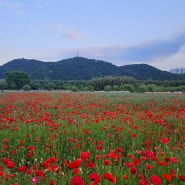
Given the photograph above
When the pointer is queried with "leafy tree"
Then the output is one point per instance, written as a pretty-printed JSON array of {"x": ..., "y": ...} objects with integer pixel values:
[
  {"x": 107, "y": 88},
  {"x": 115, "y": 88},
  {"x": 142, "y": 88},
  {"x": 3, "y": 85},
  {"x": 19, "y": 78},
  {"x": 35, "y": 85},
  {"x": 74, "y": 88},
  {"x": 49, "y": 86},
  {"x": 127, "y": 87},
  {"x": 26, "y": 88}
]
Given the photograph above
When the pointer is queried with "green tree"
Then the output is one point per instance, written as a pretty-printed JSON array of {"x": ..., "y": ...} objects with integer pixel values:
[
  {"x": 35, "y": 85},
  {"x": 127, "y": 87},
  {"x": 74, "y": 88},
  {"x": 3, "y": 85},
  {"x": 26, "y": 88},
  {"x": 115, "y": 88},
  {"x": 143, "y": 88},
  {"x": 19, "y": 78},
  {"x": 108, "y": 88}
]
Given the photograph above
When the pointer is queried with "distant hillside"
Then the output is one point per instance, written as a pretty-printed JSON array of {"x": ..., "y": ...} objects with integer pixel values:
[{"x": 79, "y": 68}]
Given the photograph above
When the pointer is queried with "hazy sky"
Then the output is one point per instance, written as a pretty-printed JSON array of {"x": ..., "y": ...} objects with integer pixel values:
[{"x": 117, "y": 31}]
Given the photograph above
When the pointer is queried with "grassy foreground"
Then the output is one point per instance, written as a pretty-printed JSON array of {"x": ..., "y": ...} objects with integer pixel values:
[{"x": 92, "y": 138}]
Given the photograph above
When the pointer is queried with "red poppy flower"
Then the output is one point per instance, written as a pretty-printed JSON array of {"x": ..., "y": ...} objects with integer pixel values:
[
  {"x": 94, "y": 177},
  {"x": 85, "y": 155},
  {"x": 75, "y": 164},
  {"x": 106, "y": 162},
  {"x": 51, "y": 182},
  {"x": 90, "y": 165},
  {"x": 166, "y": 177},
  {"x": 21, "y": 169},
  {"x": 182, "y": 178},
  {"x": 10, "y": 164},
  {"x": 76, "y": 180},
  {"x": 174, "y": 160},
  {"x": 39, "y": 173},
  {"x": 110, "y": 177},
  {"x": 124, "y": 177},
  {"x": 155, "y": 180},
  {"x": 133, "y": 171}
]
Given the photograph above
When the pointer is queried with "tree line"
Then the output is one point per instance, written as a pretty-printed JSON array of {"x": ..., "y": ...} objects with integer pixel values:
[{"x": 19, "y": 80}]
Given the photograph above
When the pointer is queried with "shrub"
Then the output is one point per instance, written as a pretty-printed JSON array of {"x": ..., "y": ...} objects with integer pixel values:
[{"x": 26, "y": 88}]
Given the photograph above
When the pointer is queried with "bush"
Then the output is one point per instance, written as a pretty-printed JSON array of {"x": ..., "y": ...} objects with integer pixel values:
[
  {"x": 26, "y": 88},
  {"x": 143, "y": 88},
  {"x": 107, "y": 88},
  {"x": 115, "y": 88},
  {"x": 127, "y": 87},
  {"x": 74, "y": 88}
]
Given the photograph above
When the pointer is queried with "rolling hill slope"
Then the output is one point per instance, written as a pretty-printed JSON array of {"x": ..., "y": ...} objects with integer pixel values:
[{"x": 79, "y": 68}]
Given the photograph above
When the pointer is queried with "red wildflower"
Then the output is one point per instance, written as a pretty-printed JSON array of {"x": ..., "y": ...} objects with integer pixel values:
[
  {"x": 106, "y": 162},
  {"x": 119, "y": 149},
  {"x": 39, "y": 173},
  {"x": 4, "y": 140},
  {"x": 1, "y": 173},
  {"x": 141, "y": 176},
  {"x": 164, "y": 140},
  {"x": 76, "y": 180},
  {"x": 167, "y": 177},
  {"x": 85, "y": 155},
  {"x": 128, "y": 164},
  {"x": 51, "y": 182},
  {"x": 10, "y": 164},
  {"x": 143, "y": 182},
  {"x": 75, "y": 171},
  {"x": 5, "y": 160},
  {"x": 182, "y": 178},
  {"x": 98, "y": 157},
  {"x": 110, "y": 177},
  {"x": 148, "y": 166},
  {"x": 133, "y": 171},
  {"x": 51, "y": 160},
  {"x": 136, "y": 162},
  {"x": 124, "y": 177},
  {"x": 75, "y": 164},
  {"x": 21, "y": 169},
  {"x": 134, "y": 135},
  {"x": 90, "y": 165},
  {"x": 94, "y": 177},
  {"x": 174, "y": 160},
  {"x": 30, "y": 148},
  {"x": 155, "y": 180},
  {"x": 172, "y": 172}
]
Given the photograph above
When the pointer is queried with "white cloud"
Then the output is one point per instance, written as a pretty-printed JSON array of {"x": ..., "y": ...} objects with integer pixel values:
[
  {"x": 174, "y": 61},
  {"x": 14, "y": 7},
  {"x": 71, "y": 34},
  {"x": 59, "y": 29}
]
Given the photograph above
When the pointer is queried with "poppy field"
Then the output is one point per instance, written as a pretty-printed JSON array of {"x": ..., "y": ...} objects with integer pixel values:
[{"x": 92, "y": 139}]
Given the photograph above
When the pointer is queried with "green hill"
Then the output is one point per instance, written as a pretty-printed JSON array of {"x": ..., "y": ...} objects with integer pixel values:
[{"x": 79, "y": 68}]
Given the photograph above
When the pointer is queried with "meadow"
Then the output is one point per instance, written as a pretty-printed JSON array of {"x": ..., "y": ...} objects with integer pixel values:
[{"x": 92, "y": 138}]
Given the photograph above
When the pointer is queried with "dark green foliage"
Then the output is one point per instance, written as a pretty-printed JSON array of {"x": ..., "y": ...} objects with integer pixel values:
[
  {"x": 19, "y": 78},
  {"x": 116, "y": 82},
  {"x": 3, "y": 85},
  {"x": 79, "y": 68},
  {"x": 26, "y": 88}
]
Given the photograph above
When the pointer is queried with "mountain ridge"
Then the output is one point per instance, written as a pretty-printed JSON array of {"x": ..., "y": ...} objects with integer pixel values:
[{"x": 80, "y": 68}]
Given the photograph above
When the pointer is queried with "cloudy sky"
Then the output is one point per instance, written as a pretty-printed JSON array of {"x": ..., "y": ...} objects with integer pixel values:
[{"x": 117, "y": 31}]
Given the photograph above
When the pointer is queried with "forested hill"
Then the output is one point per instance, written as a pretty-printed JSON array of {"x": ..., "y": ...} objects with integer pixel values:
[{"x": 79, "y": 68}]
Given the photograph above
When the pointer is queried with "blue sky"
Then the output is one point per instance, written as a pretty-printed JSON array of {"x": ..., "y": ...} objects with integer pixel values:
[{"x": 118, "y": 31}]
